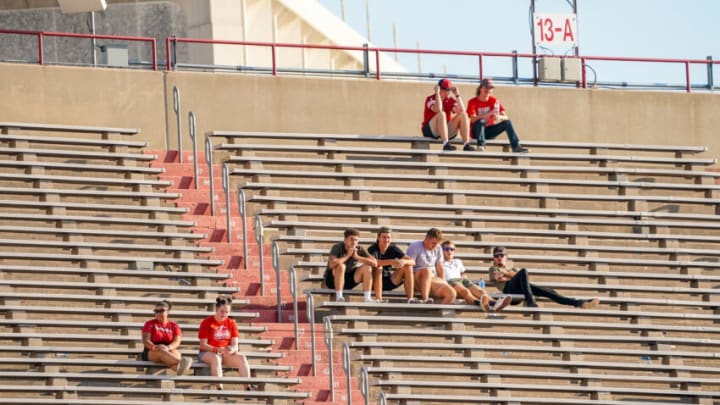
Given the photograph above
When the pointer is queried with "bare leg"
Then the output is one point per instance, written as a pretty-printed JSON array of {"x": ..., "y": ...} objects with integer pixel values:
[
  {"x": 377, "y": 281},
  {"x": 438, "y": 124},
  {"x": 237, "y": 360},
  {"x": 405, "y": 275},
  {"x": 422, "y": 282},
  {"x": 461, "y": 123},
  {"x": 170, "y": 358},
  {"x": 339, "y": 276},
  {"x": 364, "y": 275},
  {"x": 441, "y": 290}
]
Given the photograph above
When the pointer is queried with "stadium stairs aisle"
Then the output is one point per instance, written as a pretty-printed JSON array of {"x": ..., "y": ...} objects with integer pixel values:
[{"x": 248, "y": 281}]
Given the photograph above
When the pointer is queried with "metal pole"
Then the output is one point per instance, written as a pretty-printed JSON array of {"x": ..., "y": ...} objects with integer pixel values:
[
  {"x": 208, "y": 159},
  {"x": 532, "y": 38},
  {"x": 293, "y": 292},
  {"x": 515, "y": 66},
  {"x": 419, "y": 57},
  {"x": 364, "y": 385},
  {"x": 94, "y": 41},
  {"x": 243, "y": 218},
  {"x": 687, "y": 76},
  {"x": 342, "y": 9},
  {"x": 259, "y": 231},
  {"x": 329, "y": 345},
  {"x": 310, "y": 310},
  {"x": 367, "y": 18},
  {"x": 192, "y": 130},
  {"x": 346, "y": 367},
  {"x": 275, "y": 248},
  {"x": 176, "y": 108},
  {"x": 395, "y": 41},
  {"x": 577, "y": 32},
  {"x": 710, "y": 78},
  {"x": 226, "y": 189},
  {"x": 366, "y": 61}
]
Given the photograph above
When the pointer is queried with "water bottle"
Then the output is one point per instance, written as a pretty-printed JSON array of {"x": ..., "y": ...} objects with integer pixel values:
[{"x": 481, "y": 283}]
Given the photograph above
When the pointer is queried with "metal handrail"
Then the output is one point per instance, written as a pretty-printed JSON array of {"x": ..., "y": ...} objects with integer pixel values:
[
  {"x": 293, "y": 292},
  {"x": 176, "y": 108},
  {"x": 192, "y": 129},
  {"x": 347, "y": 368},
  {"x": 42, "y": 34},
  {"x": 259, "y": 235},
  {"x": 383, "y": 399},
  {"x": 209, "y": 160},
  {"x": 365, "y": 385},
  {"x": 329, "y": 345},
  {"x": 275, "y": 250},
  {"x": 310, "y": 310},
  {"x": 226, "y": 189},
  {"x": 243, "y": 218}
]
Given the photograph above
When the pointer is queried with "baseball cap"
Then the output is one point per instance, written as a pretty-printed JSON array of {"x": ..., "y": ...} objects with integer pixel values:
[
  {"x": 445, "y": 84},
  {"x": 487, "y": 83},
  {"x": 499, "y": 250}
]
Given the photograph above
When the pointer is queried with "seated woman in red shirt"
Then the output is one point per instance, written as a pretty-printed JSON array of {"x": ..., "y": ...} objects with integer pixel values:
[
  {"x": 161, "y": 339},
  {"x": 219, "y": 341}
]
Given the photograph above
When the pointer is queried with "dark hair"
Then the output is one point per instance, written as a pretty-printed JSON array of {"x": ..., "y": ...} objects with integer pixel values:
[
  {"x": 447, "y": 242},
  {"x": 434, "y": 233},
  {"x": 477, "y": 92},
  {"x": 165, "y": 304},
  {"x": 383, "y": 229},
  {"x": 351, "y": 232},
  {"x": 222, "y": 300}
]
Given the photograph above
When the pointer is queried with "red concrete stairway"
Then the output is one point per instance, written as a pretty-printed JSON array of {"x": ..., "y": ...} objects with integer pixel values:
[{"x": 248, "y": 281}]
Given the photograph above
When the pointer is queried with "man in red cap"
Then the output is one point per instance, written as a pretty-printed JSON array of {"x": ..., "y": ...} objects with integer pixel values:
[
  {"x": 488, "y": 118},
  {"x": 445, "y": 116}
]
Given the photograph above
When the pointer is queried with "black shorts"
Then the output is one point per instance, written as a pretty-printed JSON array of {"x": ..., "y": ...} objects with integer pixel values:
[
  {"x": 387, "y": 283},
  {"x": 350, "y": 282},
  {"x": 144, "y": 355},
  {"x": 427, "y": 132}
]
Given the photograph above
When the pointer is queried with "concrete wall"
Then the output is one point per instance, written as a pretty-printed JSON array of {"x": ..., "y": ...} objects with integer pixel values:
[{"x": 264, "y": 103}]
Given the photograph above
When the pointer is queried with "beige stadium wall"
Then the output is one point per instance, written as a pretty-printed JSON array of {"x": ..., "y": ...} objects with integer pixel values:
[{"x": 143, "y": 99}]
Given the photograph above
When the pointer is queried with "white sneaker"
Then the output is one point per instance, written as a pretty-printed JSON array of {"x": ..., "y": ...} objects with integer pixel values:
[
  {"x": 414, "y": 300},
  {"x": 184, "y": 365},
  {"x": 502, "y": 302},
  {"x": 428, "y": 301},
  {"x": 340, "y": 299}
]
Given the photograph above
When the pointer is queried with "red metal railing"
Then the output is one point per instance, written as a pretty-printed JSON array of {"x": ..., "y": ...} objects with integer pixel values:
[
  {"x": 480, "y": 55},
  {"x": 42, "y": 34}
]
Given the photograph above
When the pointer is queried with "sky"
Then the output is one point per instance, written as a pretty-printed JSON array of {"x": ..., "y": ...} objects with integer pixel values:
[{"x": 673, "y": 29}]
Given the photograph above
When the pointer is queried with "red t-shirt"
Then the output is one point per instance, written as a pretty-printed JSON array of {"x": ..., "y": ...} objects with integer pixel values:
[
  {"x": 448, "y": 104},
  {"x": 476, "y": 107},
  {"x": 161, "y": 334},
  {"x": 217, "y": 333}
]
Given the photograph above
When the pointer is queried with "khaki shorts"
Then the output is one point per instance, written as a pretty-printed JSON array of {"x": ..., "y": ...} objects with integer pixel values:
[{"x": 465, "y": 282}]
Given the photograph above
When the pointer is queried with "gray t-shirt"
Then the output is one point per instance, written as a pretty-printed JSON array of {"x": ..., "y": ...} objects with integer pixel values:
[{"x": 424, "y": 258}]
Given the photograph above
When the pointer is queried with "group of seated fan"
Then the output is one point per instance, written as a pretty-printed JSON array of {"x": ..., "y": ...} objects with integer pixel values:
[
  {"x": 218, "y": 336},
  {"x": 429, "y": 267}
]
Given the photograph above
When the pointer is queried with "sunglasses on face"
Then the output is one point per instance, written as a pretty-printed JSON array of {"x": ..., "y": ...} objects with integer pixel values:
[
  {"x": 449, "y": 249},
  {"x": 159, "y": 311},
  {"x": 499, "y": 255}
]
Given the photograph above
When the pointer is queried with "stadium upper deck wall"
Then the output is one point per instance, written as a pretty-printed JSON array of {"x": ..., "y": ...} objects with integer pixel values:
[{"x": 143, "y": 99}]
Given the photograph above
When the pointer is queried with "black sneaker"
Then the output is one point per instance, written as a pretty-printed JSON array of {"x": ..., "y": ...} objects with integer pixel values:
[
  {"x": 448, "y": 147},
  {"x": 468, "y": 148},
  {"x": 520, "y": 149}
]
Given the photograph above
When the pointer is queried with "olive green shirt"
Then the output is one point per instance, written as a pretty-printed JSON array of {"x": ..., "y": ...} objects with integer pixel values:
[{"x": 493, "y": 269}]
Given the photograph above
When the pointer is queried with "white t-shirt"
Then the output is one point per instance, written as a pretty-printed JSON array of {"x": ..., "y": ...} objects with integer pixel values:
[
  {"x": 424, "y": 258},
  {"x": 453, "y": 268}
]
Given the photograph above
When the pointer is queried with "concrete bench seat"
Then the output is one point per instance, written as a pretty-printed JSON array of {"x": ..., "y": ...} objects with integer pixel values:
[
  {"x": 33, "y": 352},
  {"x": 57, "y": 325},
  {"x": 13, "y": 310},
  {"x": 85, "y": 155},
  {"x": 96, "y": 272},
  {"x": 44, "y": 256},
  {"x": 471, "y": 218},
  {"x": 567, "y": 352},
  {"x": 7, "y": 127},
  {"x": 431, "y": 399},
  {"x": 24, "y": 177},
  {"x": 417, "y": 141},
  {"x": 120, "y": 301},
  {"x": 98, "y": 245},
  {"x": 92, "y": 401},
  {"x": 92, "y": 207},
  {"x": 280, "y": 202},
  {"x": 523, "y": 170},
  {"x": 154, "y": 288},
  {"x": 80, "y": 167},
  {"x": 46, "y": 338},
  {"x": 624, "y": 301},
  {"x": 621, "y": 186},
  {"x": 425, "y": 153},
  {"x": 514, "y": 324},
  {"x": 541, "y": 197},
  {"x": 89, "y": 193},
  {"x": 105, "y": 232},
  {"x": 60, "y": 219}
]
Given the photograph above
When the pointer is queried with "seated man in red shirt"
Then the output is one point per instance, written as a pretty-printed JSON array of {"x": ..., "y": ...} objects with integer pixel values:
[
  {"x": 445, "y": 116},
  {"x": 488, "y": 118}
]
